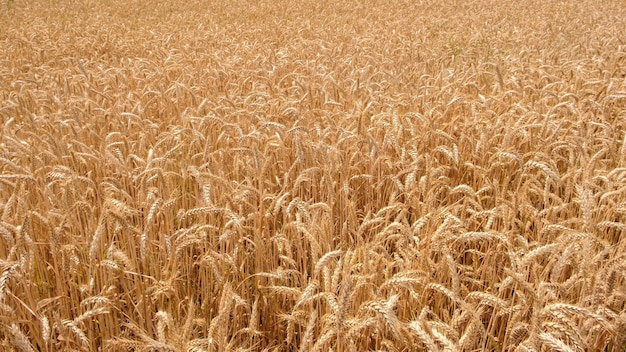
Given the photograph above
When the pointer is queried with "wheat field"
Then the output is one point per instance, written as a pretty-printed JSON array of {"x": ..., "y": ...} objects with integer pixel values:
[{"x": 313, "y": 175}]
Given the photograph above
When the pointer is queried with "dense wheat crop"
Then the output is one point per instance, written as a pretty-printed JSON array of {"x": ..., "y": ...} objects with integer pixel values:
[{"x": 312, "y": 175}]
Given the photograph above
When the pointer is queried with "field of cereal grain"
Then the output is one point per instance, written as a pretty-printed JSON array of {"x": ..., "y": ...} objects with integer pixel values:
[{"x": 312, "y": 175}]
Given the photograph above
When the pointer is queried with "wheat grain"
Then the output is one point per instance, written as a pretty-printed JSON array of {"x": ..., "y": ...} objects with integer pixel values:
[
  {"x": 270, "y": 172},
  {"x": 21, "y": 341},
  {"x": 554, "y": 343}
]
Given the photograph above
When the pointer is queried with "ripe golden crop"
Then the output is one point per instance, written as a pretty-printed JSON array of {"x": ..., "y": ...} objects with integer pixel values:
[{"x": 312, "y": 175}]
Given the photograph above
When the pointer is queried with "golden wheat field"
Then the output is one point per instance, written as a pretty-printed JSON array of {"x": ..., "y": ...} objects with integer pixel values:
[{"x": 312, "y": 175}]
